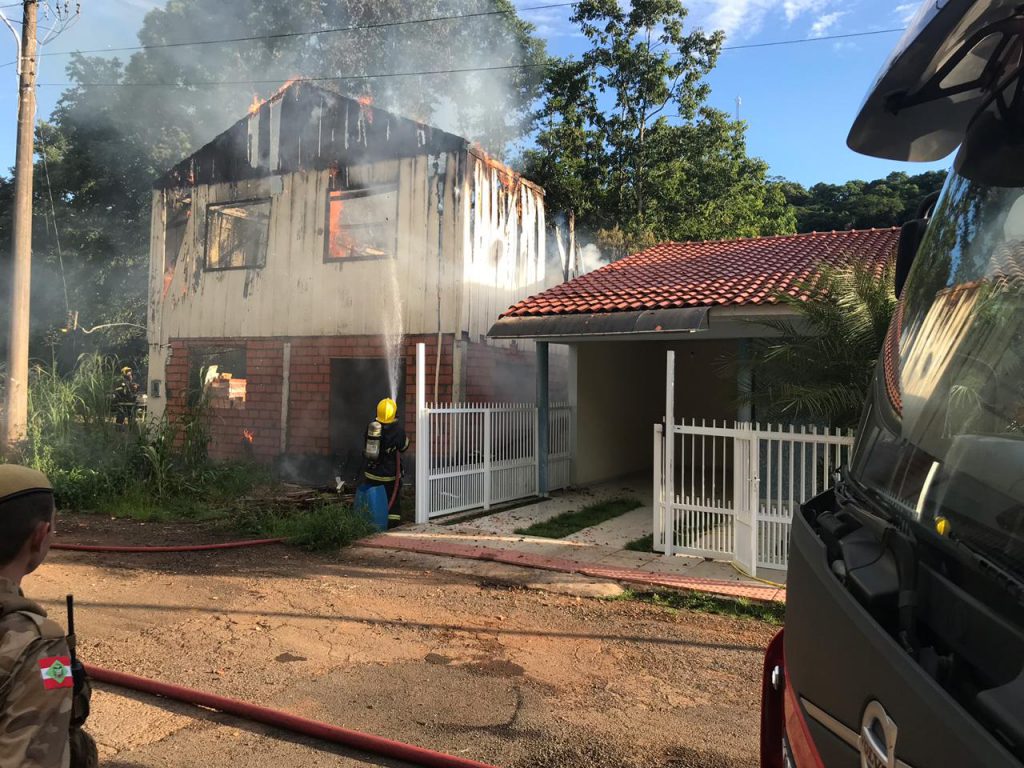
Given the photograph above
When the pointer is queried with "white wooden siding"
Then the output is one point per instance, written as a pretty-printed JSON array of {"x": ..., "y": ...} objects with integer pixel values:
[{"x": 492, "y": 256}]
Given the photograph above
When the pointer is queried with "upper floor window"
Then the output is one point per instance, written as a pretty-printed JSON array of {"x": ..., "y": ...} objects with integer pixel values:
[
  {"x": 237, "y": 234},
  {"x": 362, "y": 223}
]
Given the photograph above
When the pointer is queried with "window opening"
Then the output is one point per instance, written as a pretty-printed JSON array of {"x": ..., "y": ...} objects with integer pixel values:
[
  {"x": 220, "y": 376},
  {"x": 362, "y": 223},
  {"x": 237, "y": 234}
]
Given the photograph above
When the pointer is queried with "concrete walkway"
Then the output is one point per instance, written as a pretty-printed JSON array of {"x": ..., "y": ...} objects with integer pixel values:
[
  {"x": 426, "y": 543},
  {"x": 597, "y": 551}
]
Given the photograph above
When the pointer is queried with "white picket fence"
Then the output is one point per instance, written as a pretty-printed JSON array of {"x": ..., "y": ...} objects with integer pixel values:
[
  {"x": 477, "y": 455},
  {"x": 730, "y": 491}
]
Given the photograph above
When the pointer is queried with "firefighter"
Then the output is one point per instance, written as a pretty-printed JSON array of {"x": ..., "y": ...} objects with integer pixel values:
[
  {"x": 385, "y": 441},
  {"x": 125, "y": 397},
  {"x": 44, "y": 696}
]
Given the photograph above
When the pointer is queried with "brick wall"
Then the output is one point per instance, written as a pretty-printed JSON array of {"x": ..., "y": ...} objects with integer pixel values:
[
  {"x": 259, "y": 415},
  {"x": 309, "y": 387}
]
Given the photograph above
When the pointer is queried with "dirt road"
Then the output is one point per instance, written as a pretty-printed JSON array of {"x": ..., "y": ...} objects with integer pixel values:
[{"x": 404, "y": 646}]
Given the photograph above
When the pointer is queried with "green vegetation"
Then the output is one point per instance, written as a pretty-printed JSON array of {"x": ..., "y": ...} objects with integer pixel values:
[
  {"x": 651, "y": 159},
  {"x": 643, "y": 544},
  {"x": 772, "y": 613},
  {"x": 819, "y": 367},
  {"x": 140, "y": 470},
  {"x": 858, "y": 204},
  {"x": 324, "y": 527},
  {"x": 567, "y": 523}
]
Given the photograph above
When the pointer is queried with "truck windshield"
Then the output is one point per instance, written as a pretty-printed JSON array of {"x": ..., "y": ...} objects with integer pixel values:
[{"x": 942, "y": 440}]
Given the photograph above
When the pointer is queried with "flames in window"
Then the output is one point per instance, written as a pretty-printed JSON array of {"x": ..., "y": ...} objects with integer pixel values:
[{"x": 362, "y": 223}]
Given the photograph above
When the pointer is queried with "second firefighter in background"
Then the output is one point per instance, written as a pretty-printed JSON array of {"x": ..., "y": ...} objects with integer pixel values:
[{"x": 385, "y": 441}]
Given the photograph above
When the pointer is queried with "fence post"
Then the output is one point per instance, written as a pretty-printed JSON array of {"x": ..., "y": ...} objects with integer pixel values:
[
  {"x": 670, "y": 445},
  {"x": 543, "y": 419},
  {"x": 422, "y": 438},
  {"x": 487, "y": 458},
  {"x": 755, "y": 502},
  {"x": 659, "y": 491}
]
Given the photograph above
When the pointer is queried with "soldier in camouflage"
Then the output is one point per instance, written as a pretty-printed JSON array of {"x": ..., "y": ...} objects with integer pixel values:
[{"x": 38, "y": 728}]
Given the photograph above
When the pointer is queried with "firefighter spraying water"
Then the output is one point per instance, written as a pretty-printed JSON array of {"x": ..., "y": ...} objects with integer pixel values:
[
  {"x": 904, "y": 635},
  {"x": 385, "y": 442}
]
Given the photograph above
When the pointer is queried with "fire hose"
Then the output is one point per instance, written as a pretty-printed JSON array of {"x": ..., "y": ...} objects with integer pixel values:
[
  {"x": 176, "y": 548},
  {"x": 318, "y": 730},
  {"x": 313, "y": 728}
]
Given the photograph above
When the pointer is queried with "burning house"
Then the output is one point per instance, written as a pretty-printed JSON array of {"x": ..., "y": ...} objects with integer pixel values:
[{"x": 297, "y": 259}]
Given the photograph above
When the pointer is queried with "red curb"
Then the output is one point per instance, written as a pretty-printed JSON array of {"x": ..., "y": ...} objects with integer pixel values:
[{"x": 757, "y": 592}]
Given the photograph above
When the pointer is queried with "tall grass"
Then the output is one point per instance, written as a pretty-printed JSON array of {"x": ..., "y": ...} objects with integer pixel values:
[{"x": 93, "y": 463}]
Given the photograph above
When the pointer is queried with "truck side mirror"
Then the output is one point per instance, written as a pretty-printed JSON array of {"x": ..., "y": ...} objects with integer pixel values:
[{"x": 911, "y": 235}]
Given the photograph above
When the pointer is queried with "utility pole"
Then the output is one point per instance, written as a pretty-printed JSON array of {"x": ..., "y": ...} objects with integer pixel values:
[{"x": 21, "y": 251}]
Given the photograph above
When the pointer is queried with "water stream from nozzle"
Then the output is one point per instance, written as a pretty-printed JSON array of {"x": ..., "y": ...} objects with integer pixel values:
[{"x": 393, "y": 329}]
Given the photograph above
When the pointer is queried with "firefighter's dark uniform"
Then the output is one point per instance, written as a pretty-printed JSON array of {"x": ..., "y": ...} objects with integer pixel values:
[
  {"x": 384, "y": 471},
  {"x": 125, "y": 397}
]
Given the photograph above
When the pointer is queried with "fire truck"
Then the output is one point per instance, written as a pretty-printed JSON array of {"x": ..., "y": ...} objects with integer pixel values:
[{"x": 903, "y": 643}]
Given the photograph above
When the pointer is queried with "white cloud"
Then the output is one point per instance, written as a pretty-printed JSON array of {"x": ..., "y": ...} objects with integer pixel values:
[
  {"x": 905, "y": 11},
  {"x": 794, "y": 9},
  {"x": 745, "y": 18},
  {"x": 825, "y": 22}
]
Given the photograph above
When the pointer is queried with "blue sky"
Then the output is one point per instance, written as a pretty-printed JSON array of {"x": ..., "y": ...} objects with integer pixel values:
[{"x": 798, "y": 100}]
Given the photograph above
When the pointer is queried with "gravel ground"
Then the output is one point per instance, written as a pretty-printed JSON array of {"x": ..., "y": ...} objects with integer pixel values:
[{"x": 439, "y": 653}]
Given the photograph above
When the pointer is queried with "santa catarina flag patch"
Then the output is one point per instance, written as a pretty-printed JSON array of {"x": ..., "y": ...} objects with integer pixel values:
[{"x": 56, "y": 672}]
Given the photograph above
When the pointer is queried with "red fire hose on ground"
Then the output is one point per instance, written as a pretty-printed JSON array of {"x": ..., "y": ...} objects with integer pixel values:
[
  {"x": 324, "y": 731},
  {"x": 365, "y": 742},
  {"x": 181, "y": 548}
]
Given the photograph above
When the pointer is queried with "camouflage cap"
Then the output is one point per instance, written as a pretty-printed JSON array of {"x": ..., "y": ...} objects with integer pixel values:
[{"x": 17, "y": 481}]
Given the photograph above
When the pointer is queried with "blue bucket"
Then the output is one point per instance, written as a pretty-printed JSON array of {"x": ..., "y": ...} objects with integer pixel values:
[{"x": 373, "y": 498}]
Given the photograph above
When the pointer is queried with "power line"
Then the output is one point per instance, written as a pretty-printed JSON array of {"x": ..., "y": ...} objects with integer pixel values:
[
  {"x": 313, "y": 32},
  {"x": 405, "y": 22},
  {"x": 278, "y": 81},
  {"x": 813, "y": 39},
  {"x": 381, "y": 75}
]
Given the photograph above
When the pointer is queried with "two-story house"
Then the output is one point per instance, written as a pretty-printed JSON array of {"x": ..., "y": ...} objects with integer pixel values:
[{"x": 297, "y": 259}]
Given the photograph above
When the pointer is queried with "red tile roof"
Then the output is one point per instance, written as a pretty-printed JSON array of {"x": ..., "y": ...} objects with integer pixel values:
[{"x": 722, "y": 272}]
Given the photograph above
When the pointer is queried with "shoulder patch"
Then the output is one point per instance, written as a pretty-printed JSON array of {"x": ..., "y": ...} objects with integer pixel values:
[{"x": 56, "y": 672}]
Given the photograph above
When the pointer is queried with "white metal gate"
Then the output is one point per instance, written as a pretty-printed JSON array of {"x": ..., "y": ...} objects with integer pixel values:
[
  {"x": 729, "y": 491},
  {"x": 476, "y": 455}
]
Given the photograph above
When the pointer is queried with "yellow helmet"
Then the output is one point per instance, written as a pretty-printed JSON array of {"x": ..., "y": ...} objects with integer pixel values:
[
  {"x": 387, "y": 411},
  {"x": 126, "y": 370}
]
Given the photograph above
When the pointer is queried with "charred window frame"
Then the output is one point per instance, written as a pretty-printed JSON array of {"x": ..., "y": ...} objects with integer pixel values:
[
  {"x": 178, "y": 211},
  {"x": 237, "y": 234},
  {"x": 362, "y": 224},
  {"x": 218, "y": 377}
]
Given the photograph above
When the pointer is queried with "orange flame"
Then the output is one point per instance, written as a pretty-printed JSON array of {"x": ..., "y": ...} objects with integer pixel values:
[
  {"x": 249, "y": 436},
  {"x": 257, "y": 102},
  {"x": 366, "y": 106}
]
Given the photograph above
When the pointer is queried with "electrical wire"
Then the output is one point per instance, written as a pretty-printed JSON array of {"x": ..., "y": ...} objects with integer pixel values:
[
  {"x": 813, "y": 39},
  {"x": 311, "y": 32},
  {"x": 53, "y": 216},
  {"x": 380, "y": 75},
  {"x": 318, "y": 79},
  {"x": 745, "y": 46}
]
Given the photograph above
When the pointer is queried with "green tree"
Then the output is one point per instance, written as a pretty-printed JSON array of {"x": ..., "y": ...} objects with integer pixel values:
[
  {"x": 856, "y": 204},
  {"x": 819, "y": 366},
  {"x": 628, "y": 142}
]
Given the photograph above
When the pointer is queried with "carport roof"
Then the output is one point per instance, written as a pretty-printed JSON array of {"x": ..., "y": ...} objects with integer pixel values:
[{"x": 749, "y": 271}]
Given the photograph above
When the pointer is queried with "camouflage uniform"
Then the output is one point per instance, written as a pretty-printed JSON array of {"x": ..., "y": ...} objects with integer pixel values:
[{"x": 34, "y": 718}]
